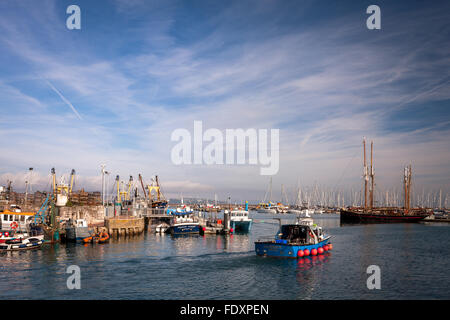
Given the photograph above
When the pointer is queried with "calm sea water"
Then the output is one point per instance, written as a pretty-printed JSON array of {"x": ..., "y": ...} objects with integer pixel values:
[{"x": 414, "y": 261}]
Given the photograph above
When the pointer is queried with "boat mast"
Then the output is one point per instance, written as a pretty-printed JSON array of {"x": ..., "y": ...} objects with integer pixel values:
[
  {"x": 270, "y": 192},
  {"x": 366, "y": 175},
  {"x": 118, "y": 189},
  {"x": 372, "y": 175},
  {"x": 54, "y": 182},
  {"x": 28, "y": 186},
  {"x": 407, "y": 187}
]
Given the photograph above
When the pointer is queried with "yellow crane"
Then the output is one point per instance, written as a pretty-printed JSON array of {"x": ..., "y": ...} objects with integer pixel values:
[
  {"x": 130, "y": 184},
  {"x": 72, "y": 181}
]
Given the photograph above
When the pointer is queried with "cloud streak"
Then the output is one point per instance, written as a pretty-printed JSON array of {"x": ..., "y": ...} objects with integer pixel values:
[{"x": 64, "y": 99}]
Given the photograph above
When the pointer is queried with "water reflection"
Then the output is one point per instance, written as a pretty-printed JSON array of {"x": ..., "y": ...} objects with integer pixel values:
[{"x": 309, "y": 274}]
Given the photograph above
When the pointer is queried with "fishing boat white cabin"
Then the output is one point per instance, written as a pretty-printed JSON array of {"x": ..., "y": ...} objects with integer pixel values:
[
  {"x": 14, "y": 218},
  {"x": 240, "y": 221}
]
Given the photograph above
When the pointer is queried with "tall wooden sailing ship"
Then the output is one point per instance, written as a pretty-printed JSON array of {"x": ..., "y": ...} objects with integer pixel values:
[{"x": 371, "y": 214}]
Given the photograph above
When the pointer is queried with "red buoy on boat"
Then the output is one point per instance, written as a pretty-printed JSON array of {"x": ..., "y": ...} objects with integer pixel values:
[
  {"x": 231, "y": 230},
  {"x": 204, "y": 228},
  {"x": 306, "y": 252},
  {"x": 314, "y": 252},
  {"x": 320, "y": 250},
  {"x": 325, "y": 247},
  {"x": 300, "y": 253},
  {"x": 330, "y": 246}
]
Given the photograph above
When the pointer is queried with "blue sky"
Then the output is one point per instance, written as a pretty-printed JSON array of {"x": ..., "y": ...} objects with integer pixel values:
[{"x": 114, "y": 91}]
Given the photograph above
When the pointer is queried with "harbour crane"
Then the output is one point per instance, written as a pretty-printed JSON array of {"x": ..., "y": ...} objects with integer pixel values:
[
  {"x": 130, "y": 184},
  {"x": 72, "y": 181},
  {"x": 142, "y": 185}
]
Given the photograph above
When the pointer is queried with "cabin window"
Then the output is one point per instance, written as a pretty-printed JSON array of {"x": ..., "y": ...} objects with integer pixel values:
[
  {"x": 22, "y": 218},
  {"x": 10, "y": 217},
  {"x": 16, "y": 218}
]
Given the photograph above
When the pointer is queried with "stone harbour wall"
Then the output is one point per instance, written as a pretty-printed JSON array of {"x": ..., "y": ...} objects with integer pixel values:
[
  {"x": 92, "y": 214},
  {"x": 124, "y": 226}
]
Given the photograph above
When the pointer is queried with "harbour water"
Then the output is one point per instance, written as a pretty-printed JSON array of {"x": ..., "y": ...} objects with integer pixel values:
[{"x": 413, "y": 259}]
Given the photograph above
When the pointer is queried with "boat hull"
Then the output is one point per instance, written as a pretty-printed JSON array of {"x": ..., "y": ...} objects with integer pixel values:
[
  {"x": 185, "y": 228},
  {"x": 241, "y": 226},
  {"x": 284, "y": 250},
  {"x": 262, "y": 210},
  {"x": 77, "y": 234},
  {"x": 348, "y": 216},
  {"x": 21, "y": 246}
]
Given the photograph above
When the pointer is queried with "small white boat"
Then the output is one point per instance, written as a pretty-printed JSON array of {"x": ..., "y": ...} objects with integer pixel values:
[
  {"x": 267, "y": 210},
  {"x": 162, "y": 228},
  {"x": 21, "y": 244},
  {"x": 32, "y": 230}
]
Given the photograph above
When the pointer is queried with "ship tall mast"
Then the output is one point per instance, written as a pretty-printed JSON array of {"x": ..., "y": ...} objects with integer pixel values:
[
  {"x": 407, "y": 187},
  {"x": 372, "y": 175},
  {"x": 365, "y": 174}
]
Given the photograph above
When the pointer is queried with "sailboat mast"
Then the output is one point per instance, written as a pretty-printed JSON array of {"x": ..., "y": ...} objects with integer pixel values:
[
  {"x": 407, "y": 187},
  {"x": 270, "y": 192},
  {"x": 366, "y": 176},
  {"x": 372, "y": 175}
]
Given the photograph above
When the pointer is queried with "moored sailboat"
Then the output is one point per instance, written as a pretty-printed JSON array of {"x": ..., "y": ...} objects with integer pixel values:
[{"x": 371, "y": 214}]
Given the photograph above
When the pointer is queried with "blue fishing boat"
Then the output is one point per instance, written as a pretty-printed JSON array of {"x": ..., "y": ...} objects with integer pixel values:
[
  {"x": 185, "y": 228},
  {"x": 302, "y": 238},
  {"x": 183, "y": 223}
]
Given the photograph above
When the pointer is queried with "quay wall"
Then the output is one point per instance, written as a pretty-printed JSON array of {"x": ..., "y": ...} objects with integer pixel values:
[
  {"x": 92, "y": 214},
  {"x": 124, "y": 226}
]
